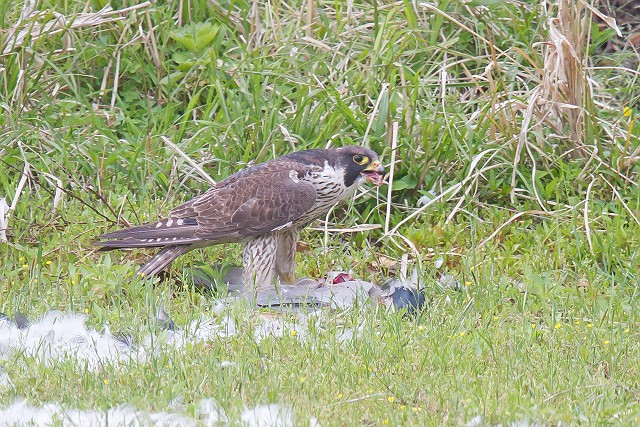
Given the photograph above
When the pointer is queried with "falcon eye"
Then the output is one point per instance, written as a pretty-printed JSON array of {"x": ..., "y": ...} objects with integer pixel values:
[{"x": 360, "y": 160}]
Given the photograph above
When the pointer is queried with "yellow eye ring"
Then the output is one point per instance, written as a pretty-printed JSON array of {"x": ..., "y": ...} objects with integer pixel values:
[{"x": 360, "y": 160}]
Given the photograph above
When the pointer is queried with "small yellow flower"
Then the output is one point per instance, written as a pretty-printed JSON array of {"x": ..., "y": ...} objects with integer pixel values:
[
  {"x": 293, "y": 333},
  {"x": 73, "y": 282},
  {"x": 386, "y": 421},
  {"x": 421, "y": 328},
  {"x": 105, "y": 381},
  {"x": 25, "y": 265},
  {"x": 495, "y": 317},
  {"x": 590, "y": 325},
  {"x": 626, "y": 111},
  {"x": 577, "y": 322},
  {"x": 303, "y": 379},
  {"x": 533, "y": 326},
  {"x": 468, "y": 283},
  {"x": 558, "y": 326},
  {"x": 86, "y": 310},
  {"x": 627, "y": 330},
  {"x": 48, "y": 262},
  {"x": 462, "y": 333},
  {"x": 21, "y": 258},
  {"x": 340, "y": 395},
  {"x": 605, "y": 342},
  {"x": 391, "y": 399}
]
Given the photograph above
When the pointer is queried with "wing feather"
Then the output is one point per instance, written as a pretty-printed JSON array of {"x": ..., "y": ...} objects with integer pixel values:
[
  {"x": 254, "y": 201},
  {"x": 255, "y": 204}
]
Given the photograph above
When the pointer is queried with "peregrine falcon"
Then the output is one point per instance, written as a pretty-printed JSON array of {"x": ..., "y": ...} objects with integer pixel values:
[{"x": 263, "y": 206}]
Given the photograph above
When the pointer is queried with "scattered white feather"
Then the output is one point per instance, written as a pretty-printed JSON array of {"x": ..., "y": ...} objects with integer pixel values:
[
  {"x": 21, "y": 413},
  {"x": 349, "y": 334},
  {"x": 272, "y": 415},
  {"x": 221, "y": 305},
  {"x": 278, "y": 327},
  {"x": 209, "y": 414},
  {"x": 525, "y": 423},
  {"x": 426, "y": 199},
  {"x": 199, "y": 330},
  {"x": 476, "y": 421},
  {"x": 5, "y": 381},
  {"x": 269, "y": 326},
  {"x": 448, "y": 281},
  {"x": 58, "y": 336}
]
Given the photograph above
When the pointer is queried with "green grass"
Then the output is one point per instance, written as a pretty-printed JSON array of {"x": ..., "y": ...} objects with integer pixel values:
[{"x": 544, "y": 239}]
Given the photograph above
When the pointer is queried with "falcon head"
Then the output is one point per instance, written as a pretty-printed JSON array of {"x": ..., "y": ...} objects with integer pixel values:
[{"x": 360, "y": 163}]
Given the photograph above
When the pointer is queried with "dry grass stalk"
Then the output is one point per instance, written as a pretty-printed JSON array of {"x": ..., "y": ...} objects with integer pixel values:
[
  {"x": 563, "y": 96},
  {"x": 309, "y": 18},
  {"x": 34, "y": 25},
  {"x": 563, "y": 80},
  {"x": 5, "y": 209},
  {"x": 189, "y": 160},
  {"x": 256, "y": 33},
  {"x": 30, "y": 28},
  {"x": 392, "y": 168}
]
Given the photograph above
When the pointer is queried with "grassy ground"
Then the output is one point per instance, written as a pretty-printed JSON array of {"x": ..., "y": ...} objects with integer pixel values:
[{"x": 528, "y": 169}]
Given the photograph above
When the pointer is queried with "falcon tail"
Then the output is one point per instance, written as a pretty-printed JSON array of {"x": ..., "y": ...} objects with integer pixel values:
[
  {"x": 175, "y": 236},
  {"x": 162, "y": 259},
  {"x": 170, "y": 231}
]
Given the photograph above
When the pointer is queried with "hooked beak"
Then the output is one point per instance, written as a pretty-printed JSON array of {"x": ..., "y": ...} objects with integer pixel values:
[{"x": 374, "y": 173}]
